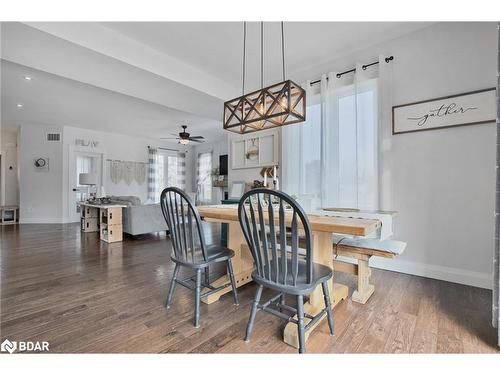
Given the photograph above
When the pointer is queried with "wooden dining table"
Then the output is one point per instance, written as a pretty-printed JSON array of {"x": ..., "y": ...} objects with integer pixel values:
[{"x": 323, "y": 228}]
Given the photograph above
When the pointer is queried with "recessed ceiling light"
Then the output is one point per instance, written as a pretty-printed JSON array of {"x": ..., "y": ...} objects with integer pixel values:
[
  {"x": 19, "y": 105},
  {"x": 28, "y": 78}
]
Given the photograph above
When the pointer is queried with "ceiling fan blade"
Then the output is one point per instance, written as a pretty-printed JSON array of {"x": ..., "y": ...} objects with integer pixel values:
[
  {"x": 196, "y": 140},
  {"x": 197, "y": 137},
  {"x": 170, "y": 138}
]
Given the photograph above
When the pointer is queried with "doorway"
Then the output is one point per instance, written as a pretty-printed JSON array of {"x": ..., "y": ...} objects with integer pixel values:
[{"x": 82, "y": 162}]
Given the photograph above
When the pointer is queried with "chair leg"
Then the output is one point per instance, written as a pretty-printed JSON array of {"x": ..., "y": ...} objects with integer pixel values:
[
  {"x": 251, "y": 320},
  {"x": 207, "y": 276},
  {"x": 197, "y": 299},
  {"x": 233, "y": 282},
  {"x": 282, "y": 300},
  {"x": 168, "y": 301},
  {"x": 328, "y": 306},
  {"x": 300, "y": 325}
]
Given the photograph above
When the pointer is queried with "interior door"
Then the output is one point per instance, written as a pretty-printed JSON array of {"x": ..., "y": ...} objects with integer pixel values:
[{"x": 82, "y": 162}]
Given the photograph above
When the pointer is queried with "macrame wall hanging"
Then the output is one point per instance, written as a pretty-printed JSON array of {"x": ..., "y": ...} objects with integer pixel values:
[
  {"x": 140, "y": 173},
  {"x": 115, "y": 171},
  {"x": 127, "y": 171}
]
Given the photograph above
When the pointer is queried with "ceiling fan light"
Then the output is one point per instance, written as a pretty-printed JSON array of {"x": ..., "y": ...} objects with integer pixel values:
[{"x": 184, "y": 141}]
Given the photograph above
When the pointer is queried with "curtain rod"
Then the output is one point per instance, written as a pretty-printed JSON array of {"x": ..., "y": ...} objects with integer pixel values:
[
  {"x": 125, "y": 161},
  {"x": 167, "y": 149},
  {"x": 387, "y": 60}
]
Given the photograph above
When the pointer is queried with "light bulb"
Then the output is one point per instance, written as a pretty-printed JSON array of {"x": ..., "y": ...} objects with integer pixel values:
[
  {"x": 183, "y": 141},
  {"x": 284, "y": 103}
]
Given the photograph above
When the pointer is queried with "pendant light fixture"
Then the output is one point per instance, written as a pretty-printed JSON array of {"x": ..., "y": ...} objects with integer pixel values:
[{"x": 280, "y": 104}]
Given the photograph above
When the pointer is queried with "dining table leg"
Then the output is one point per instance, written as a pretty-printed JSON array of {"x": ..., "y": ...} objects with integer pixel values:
[
  {"x": 322, "y": 254},
  {"x": 242, "y": 263}
]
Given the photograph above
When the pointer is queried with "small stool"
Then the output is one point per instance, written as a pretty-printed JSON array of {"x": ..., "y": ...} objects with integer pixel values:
[{"x": 5, "y": 218}]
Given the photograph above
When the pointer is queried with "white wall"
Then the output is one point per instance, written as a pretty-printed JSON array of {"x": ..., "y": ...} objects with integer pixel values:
[
  {"x": 44, "y": 196},
  {"x": 118, "y": 147},
  {"x": 441, "y": 181},
  {"x": 217, "y": 148},
  {"x": 8, "y": 172},
  {"x": 40, "y": 193}
]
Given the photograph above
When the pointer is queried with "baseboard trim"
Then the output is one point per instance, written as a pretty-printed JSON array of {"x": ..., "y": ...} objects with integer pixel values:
[
  {"x": 44, "y": 220},
  {"x": 454, "y": 275}
]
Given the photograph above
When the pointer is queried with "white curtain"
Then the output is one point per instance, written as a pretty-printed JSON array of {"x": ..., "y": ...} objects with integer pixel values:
[{"x": 332, "y": 159}]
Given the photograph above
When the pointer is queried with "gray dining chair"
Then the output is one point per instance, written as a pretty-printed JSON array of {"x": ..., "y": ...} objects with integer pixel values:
[
  {"x": 271, "y": 222},
  {"x": 189, "y": 249}
]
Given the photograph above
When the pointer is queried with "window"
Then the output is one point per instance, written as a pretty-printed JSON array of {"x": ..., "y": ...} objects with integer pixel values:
[
  {"x": 171, "y": 169},
  {"x": 331, "y": 159},
  {"x": 204, "y": 181}
]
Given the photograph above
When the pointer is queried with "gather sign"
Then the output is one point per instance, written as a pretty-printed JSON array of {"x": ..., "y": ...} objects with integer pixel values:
[{"x": 476, "y": 107}]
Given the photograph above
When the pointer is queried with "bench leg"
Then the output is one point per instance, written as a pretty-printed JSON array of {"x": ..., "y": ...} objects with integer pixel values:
[{"x": 365, "y": 289}]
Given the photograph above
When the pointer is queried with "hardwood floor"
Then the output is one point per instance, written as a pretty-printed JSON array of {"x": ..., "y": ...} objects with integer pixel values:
[{"x": 83, "y": 295}]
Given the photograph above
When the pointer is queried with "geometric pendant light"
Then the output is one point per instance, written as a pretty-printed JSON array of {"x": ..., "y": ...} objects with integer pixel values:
[{"x": 280, "y": 104}]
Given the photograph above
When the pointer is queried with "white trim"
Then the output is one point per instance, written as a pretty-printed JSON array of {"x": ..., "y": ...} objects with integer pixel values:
[
  {"x": 43, "y": 220},
  {"x": 454, "y": 275}
]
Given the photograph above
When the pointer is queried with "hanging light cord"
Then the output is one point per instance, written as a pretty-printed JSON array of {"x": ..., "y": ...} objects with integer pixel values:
[
  {"x": 244, "y": 54},
  {"x": 262, "y": 54},
  {"x": 283, "y": 47}
]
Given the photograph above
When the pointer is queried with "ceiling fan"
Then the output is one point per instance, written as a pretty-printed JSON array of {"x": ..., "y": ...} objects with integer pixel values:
[{"x": 184, "y": 137}]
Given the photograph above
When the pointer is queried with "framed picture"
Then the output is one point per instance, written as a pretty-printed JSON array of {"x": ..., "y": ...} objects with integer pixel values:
[
  {"x": 254, "y": 150},
  {"x": 471, "y": 108},
  {"x": 237, "y": 189}
]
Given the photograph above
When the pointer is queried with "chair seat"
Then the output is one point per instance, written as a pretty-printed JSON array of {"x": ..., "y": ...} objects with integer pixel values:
[
  {"x": 389, "y": 246},
  {"x": 320, "y": 274},
  {"x": 215, "y": 254}
]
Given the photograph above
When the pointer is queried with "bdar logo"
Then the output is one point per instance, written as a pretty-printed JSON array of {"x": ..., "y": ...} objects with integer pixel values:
[
  {"x": 8, "y": 346},
  {"x": 24, "y": 346}
]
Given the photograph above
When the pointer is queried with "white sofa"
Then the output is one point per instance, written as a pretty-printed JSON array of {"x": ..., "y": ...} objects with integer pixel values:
[{"x": 140, "y": 218}]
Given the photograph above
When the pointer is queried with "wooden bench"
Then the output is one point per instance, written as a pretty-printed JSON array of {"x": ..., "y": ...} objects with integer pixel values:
[{"x": 362, "y": 250}]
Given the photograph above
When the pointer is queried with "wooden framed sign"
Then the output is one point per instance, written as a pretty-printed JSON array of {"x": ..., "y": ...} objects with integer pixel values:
[{"x": 471, "y": 108}]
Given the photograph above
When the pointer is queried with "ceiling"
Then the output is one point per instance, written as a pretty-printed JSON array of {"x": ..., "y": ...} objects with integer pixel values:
[
  {"x": 148, "y": 78},
  {"x": 216, "y": 47},
  {"x": 53, "y": 100}
]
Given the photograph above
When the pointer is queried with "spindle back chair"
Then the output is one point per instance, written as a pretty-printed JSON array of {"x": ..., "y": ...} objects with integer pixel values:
[
  {"x": 189, "y": 248},
  {"x": 273, "y": 223}
]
